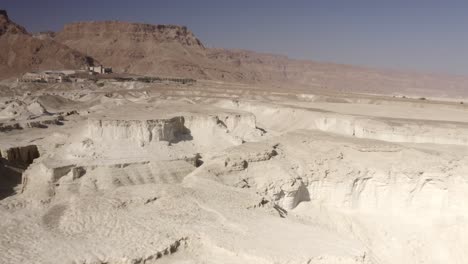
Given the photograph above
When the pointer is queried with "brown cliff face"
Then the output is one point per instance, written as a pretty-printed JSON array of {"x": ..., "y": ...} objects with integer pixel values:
[
  {"x": 165, "y": 50},
  {"x": 162, "y": 50},
  {"x": 129, "y": 31},
  {"x": 20, "y": 52}
]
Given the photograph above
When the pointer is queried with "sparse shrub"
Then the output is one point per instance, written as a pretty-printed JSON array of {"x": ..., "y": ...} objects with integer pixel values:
[
  {"x": 100, "y": 85},
  {"x": 422, "y": 98},
  {"x": 123, "y": 79},
  {"x": 145, "y": 79}
]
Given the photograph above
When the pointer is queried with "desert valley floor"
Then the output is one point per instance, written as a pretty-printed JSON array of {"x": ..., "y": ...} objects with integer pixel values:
[{"x": 214, "y": 172}]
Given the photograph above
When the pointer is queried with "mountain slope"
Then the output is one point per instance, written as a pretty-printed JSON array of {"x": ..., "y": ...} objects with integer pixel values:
[
  {"x": 163, "y": 50},
  {"x": 21, "y": 52},
  {"x": 285, "y": 72},
  {"x": 137, "y": 48}
]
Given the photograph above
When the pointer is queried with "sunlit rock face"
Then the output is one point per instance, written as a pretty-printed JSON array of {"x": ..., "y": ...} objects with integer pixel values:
[{"x": 144, "y": 131}]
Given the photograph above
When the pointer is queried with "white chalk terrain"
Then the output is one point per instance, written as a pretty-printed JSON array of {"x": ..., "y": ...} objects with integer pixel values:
[
  {"x": 217, "y": 172},
  {"x": 262, "y": 159}
]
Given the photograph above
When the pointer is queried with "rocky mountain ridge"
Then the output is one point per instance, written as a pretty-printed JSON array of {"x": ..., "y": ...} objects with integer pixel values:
[
  {"x": 135, "y": 31},
  {"x": 7, "y": 26}
]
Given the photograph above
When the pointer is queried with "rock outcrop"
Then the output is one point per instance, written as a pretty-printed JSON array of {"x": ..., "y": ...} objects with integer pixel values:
[
  {"x": 218, "y": 127},
  {"x": 22, "y": 155},
  {"x": 141, "y": 131},
  {"x": 13, "y": 161}
]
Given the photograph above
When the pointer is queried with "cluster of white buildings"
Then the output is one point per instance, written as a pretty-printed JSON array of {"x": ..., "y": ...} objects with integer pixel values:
[
  {"x": 64, "y": 75},
  {"x": 99, "y": 70},
  {"x": 46, "y": 76}
]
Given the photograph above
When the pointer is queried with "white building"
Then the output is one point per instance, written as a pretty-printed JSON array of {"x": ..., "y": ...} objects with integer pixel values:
[
  {"x": 100, "y": 69},
  {"x": 46, "y": 76}
]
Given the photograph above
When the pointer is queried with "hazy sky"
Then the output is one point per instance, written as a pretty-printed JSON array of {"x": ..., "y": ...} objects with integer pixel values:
[{"x": 420, "y": 35}]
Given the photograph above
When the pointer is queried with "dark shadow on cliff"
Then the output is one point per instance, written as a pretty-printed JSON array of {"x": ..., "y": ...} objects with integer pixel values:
[{"x": 10, "y": 178}]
